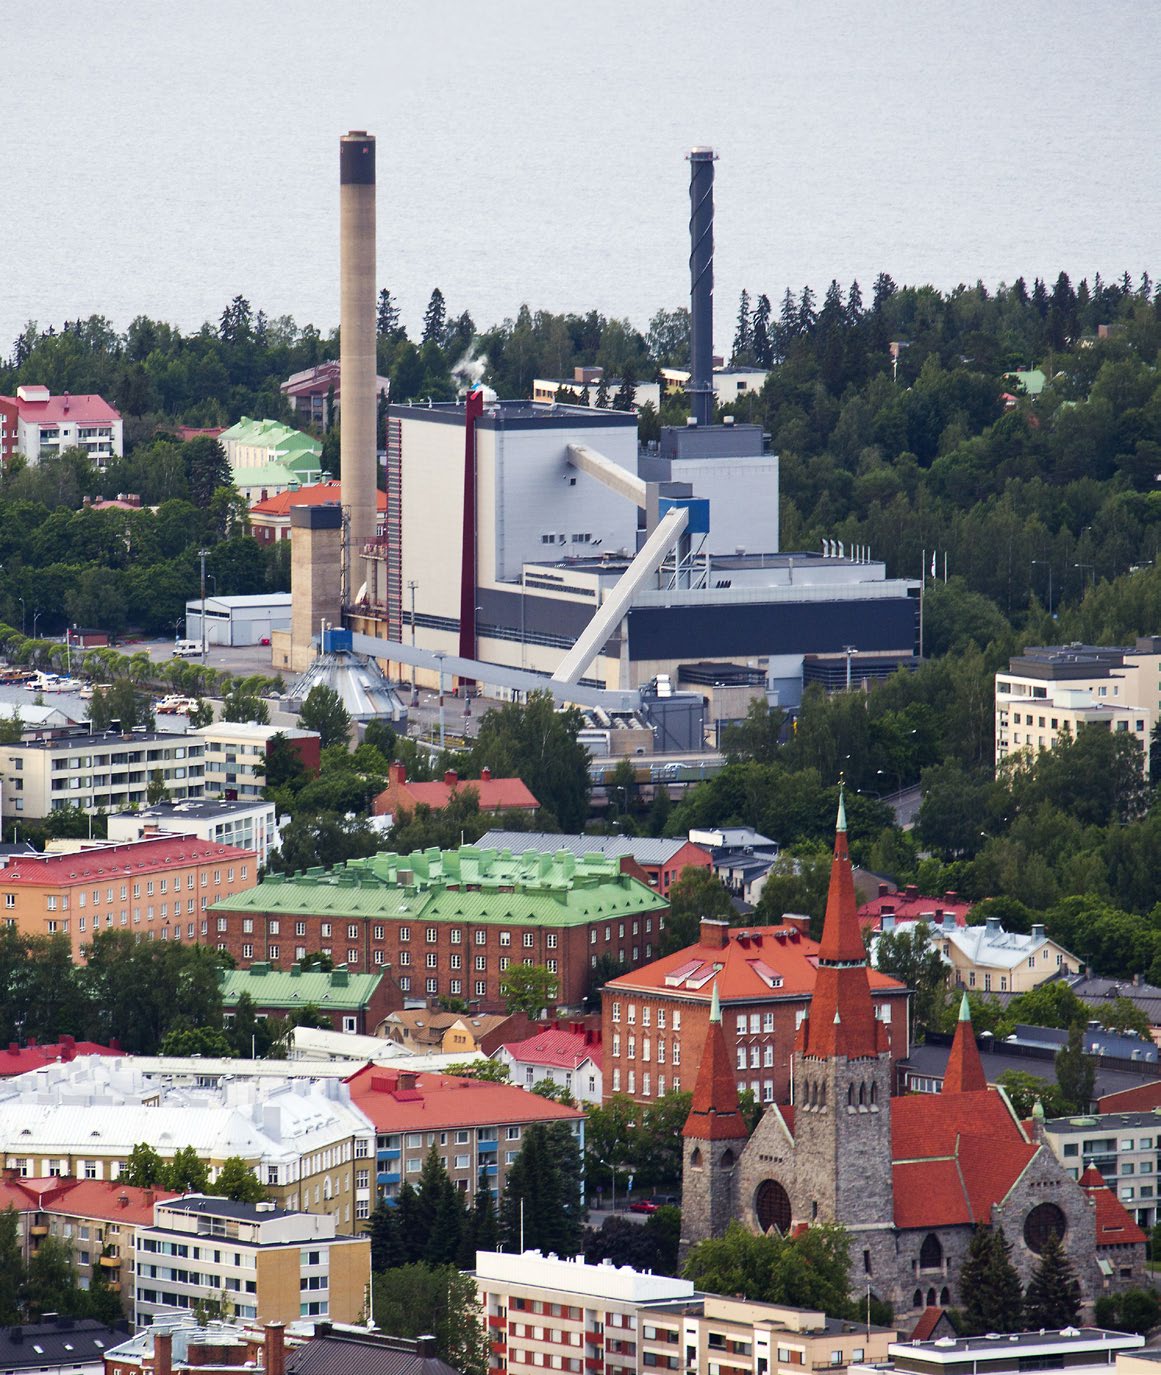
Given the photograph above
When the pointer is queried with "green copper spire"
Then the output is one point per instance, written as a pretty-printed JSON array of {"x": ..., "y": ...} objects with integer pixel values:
[
  {"x": 965, "y": 1011},
  {"x": 841, "y": 824},
  {"x": 715, "y": 1005}
]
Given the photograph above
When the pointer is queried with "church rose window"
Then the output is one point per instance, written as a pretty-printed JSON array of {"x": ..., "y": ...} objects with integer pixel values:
[
  {"x": 772, "y": 1205},
  {"x": 1044, "y": 1221}
]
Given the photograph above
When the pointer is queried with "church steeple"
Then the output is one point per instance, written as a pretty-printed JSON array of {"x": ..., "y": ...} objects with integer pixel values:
[
  {"x": 841, "y": 1019},
  {"x": 714, "y": 1114},
  {"x": 965, "y": 1073}
]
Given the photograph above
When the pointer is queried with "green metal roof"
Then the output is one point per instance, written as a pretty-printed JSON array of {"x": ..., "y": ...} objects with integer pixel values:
[
  {"x": 270, "y": 434},
  {"x": 469, "y": 884},
  {"x": 295, "y": 988}
]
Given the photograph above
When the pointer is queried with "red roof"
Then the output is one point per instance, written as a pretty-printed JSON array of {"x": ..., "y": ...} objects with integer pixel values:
[
  {"x": 495, "y": 794},
  {"x": 18, "y": 1059},
  {"x": 928, "y": 1322},
  {"x": 96, "y": 1198},
  {"x": 1143, "y": 1098},
  {"x": 753, "y": 963},
  {"x": 557, "y": 1049},
  {"x": 954, "y": 1155},
  {"x": 1114, "y": 1223},
  {"x": 964, "y": 1073},
  {"x": 84, "y": 409},
  {"x": 841, "y": 1019},
  {"x": 714, "y": 1114},
  {"x": 399, "y": 1101},
  {"x": 319, "y": 494},
  {"x": 107, "y": 861},
  {"x": 909, "y": 905}
]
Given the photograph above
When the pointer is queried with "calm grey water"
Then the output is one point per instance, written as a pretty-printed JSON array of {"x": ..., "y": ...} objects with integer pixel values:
[{"x": 158, "y": 157}]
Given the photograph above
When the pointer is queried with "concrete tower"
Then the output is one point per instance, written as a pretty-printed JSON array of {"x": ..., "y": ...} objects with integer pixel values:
[
  {"x": 842, "y": 1074},
  {"x": 357, "y": 352}
]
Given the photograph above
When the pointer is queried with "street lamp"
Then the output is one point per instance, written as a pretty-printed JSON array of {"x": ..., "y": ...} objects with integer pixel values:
[
  {"x": 411, "y": 586},
  {"x": 23, "y": 615},
  {"x": 202, "y": 556},
  {"x": 849, "y": 650},
  {"x": 35, "y": 618},
  {"x": 439, "y": 658},
  {"x": 1042, "y": 563},
  {"x": 1091, "y": 568}
]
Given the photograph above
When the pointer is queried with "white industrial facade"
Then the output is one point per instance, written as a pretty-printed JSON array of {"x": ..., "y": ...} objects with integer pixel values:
[{"x": 238, "y": 620}]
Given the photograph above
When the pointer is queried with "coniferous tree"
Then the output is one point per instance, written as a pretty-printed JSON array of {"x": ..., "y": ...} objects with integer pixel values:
[
  {"x": 432, "y": 1178},
  {"x": 387, "y": 320},
  {"x": 11, "y": 1266},
  {"x": 602, "y": 394},
  {"x": 387, "y": 1248},
  {"x": 761, "y": 345},
  {"x": 1075, "y": 1072},
  {"x": 627, "y": 391},
  {"x": 546, "y": 1181},
  {"x": 485, "y": 1231},
  {"x": 443, "y": 1241},
  {"x": 854, "y": 303},
  {"x": 743, "y": 338},
  {"x": 434, "y": 318},
  {"x": 411, "y": 1238},
  {"x": 992, "y": 1300},
  {"x": 807, "y": 315},
  {"x": 1053, "y": 1297}
]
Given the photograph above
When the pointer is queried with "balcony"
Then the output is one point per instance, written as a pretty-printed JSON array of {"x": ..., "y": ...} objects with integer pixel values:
[
  {"x": 389, "y": 1153},
  {"x": 594, "y": 1363},
  {"x": 498, "y": 1323},
  {"x": 388, "y": 1177},
  {"x": 482, "y": 1146},
  {"x": 39, "y": 1230},
  {"x": 110, "y": 1262}
]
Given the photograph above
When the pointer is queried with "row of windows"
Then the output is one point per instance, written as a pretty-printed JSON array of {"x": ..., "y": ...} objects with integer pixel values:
[
  {"x": 354, "y": 930},
  {"x": 646, "y": 1016},
  {"x": 662, "y": 1045}
]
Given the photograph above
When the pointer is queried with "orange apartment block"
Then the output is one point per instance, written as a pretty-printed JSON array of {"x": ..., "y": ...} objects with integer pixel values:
[{"x": 160, "y": 889}]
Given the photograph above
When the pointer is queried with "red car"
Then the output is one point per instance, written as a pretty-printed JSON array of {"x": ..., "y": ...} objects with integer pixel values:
[{"x": 644, "y": 1205}]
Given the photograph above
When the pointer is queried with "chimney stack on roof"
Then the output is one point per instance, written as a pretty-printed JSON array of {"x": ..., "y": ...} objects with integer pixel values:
[
  {"x": 715, "y": 935},
  {"x": 275, "y": 1352},
  {"x": 163, "y": 1353}
]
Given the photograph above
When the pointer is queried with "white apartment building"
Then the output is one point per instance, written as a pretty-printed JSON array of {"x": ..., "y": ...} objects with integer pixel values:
[
  {"x": 1048, "y": 690},
  {"x": 306, "y": 1142},
  {"x": 250, "y": 824},
  {"x": 97, "y": 771},
  {"x": 255, "y": 1259},
  {"x": 1125, "y": 1147},
  {"x": 235, "y": 756},
  {"x": 35, "y": 423}
]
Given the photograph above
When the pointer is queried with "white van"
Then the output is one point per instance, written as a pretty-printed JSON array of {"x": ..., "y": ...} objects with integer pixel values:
[{"x": 188, "y": 649}]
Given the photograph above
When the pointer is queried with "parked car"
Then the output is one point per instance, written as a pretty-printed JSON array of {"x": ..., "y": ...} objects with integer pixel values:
[{"x": 644, "y": 1205}]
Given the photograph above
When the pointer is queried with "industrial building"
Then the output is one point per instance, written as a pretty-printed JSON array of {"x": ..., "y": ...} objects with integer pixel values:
[{"x": 534, "y": 544}]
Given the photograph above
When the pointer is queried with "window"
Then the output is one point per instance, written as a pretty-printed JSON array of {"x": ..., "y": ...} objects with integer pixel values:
[
  {"x": 325, "y": 930},
  {"x": 457, "y": 936},
  {"x": 432, "y": 985},
  {"x": 505, "y": 937},
  {"x": 481, "y": 988},
  {"x": 405, "y": 933},
  {"x": 616, "y": 1012},
  {"x": 431, "y": 935},
  {"x": 432, "y": 960},
  {"x": 529, "y": 940},
  {"x": 352, "y": 932}
]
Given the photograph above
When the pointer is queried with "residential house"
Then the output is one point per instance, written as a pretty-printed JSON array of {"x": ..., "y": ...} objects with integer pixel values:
[
  {"x": 892, "y": 909},
  {"x": 266, "y": 457},
  {"x": 353, "y": 1003},
  {"x": 21, "y": 1059},
  {"x": 262, "y": 1261},
  {"x": 451, "y": 923},
  {"x": 655, "y": 1018},
  {"x": 452, "y": 1033},
  {"x": 989, "y": 959},
  {"x": 63, "y": 1346},
  {"x": 493, "y": 794},
  {"x": 314, "y": 391},
  {"x": 566, "y": 1055},
  {"x": 476, "y": 1125},
  {"x": 742, "y": 859},
  {"x": 160, "y": 889},
  {"x": 656, "y": 861}
]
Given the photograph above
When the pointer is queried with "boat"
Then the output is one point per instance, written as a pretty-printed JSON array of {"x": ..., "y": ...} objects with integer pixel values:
[{"x": 175, "y": 704}]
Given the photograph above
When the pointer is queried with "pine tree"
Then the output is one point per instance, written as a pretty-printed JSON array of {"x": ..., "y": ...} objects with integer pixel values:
[
  {"x": 432, "y": 1178},
  {"x": 742, "y": 337},
  {"x": 992, "y": 1300},
  {"x": 1075, "y": 1072},
  {"x": 602, "y": 394},
  {"x": 787, "y": 323},
  {"x": 387, "y": 321},
  {"x": 1053, "y": 1297},
  {"x": 760, "y": 343},
  {"x": 443, "y": 1241},
  {"x": 485, "y": 1228},
  {"x": 885, "y": 288},
  {"x": 11, "y": 1266},
  {"x": 434, "y": 318},
  {"x": 807, "y": 316},
  {"x": 854, "y": 303},
  {"x": 627, "y": 391},
  {"x": 411, "y": 1238},
  {"x": 387, "y": 1249}
]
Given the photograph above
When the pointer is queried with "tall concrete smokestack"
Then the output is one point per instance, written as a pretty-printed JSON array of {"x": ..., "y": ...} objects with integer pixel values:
[
  {"x": 357, "y": 348},
  {"x": 701, "y": 285}
]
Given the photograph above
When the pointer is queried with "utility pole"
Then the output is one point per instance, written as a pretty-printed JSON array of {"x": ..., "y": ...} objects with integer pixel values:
[{"x": 202, "y": 556}]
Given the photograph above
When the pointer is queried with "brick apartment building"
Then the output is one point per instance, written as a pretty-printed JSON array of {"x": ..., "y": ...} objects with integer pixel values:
[
  {"x": 159, "y": 889},
  {"x": 450, "y": 923},
  {"x": 355, "y": 1003},
  {"x": 659, "y": 862},
  {"x": 654, "y": 1019}
]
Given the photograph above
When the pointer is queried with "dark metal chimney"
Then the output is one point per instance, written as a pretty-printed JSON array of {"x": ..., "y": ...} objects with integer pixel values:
[{"x": 701, "y": 284}]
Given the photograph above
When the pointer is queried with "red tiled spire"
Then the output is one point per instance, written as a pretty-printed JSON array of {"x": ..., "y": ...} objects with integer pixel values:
[
  {"x": 714, "y": 1114},
  {"x": 965, "y": 1073},
  {"x": 841, "y": 1019}
]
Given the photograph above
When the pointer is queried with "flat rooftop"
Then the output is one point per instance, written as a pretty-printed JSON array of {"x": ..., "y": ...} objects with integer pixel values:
[
  {"x": 500, "y": 415},
  {"x": 198, "y": 809}
]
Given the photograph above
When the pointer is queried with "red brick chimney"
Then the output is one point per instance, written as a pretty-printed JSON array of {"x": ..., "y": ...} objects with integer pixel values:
[
  {"x": 163, "y": 1353},
  {"x": 397, "y": 773},
  {"x": 715, "y": 935},
  {"x": 275, "y": 1349},
  {"x": 485, "y": 774},
  {"x": 451, "y": 778}
]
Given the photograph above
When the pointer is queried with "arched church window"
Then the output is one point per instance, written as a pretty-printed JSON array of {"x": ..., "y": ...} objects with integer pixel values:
[
  {"x": 930, "y": 1253},
  {"x": 1044, "y": 1221},
  {"x": 931, "y": 1298},
  {"x": 850, "y": 1095},
  {"x": 772, "y": 1206},
  {"x": 874, "y": 1093},
  {"x": 695, "y": 1158},
  {"x": 944, "y": 1297},
  {"x": 917, "y": 1299},
  {"x": 822, "y": 1094},
  {"x": 862, "y": 1095},
  {"x": 727, "y": 1160}
]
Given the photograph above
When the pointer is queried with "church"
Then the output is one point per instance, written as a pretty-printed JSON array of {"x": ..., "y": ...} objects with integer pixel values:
[{"x": 910, "y": 1178}]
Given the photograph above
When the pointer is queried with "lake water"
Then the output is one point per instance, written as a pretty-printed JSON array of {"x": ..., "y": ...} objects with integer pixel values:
[{"x": 158, "y": 158}]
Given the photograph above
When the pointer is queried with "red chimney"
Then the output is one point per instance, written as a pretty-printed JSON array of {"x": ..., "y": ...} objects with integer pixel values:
[
  {"x": 163, "y": 1353},
  {"x": 451, "y": 778},
  {"x": 884, "y": 889},
  {"x": 397, "y": 773},
  {"x": 715, "y": 935},
  {"x": 485, "y": 774},
  {"x": 275, "y": 1349}
]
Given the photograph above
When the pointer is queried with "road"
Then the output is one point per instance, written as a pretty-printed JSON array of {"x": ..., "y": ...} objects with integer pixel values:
[{"x": 905, "y": 805}]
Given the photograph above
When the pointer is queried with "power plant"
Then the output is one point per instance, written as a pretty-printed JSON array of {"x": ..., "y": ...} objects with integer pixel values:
[{"x": 539, "y": 545}]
